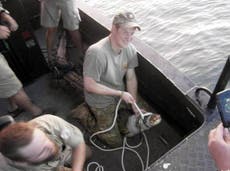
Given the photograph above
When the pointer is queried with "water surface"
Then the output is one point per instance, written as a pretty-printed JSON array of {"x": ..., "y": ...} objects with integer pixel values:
[{"x": 193, "y": 35}]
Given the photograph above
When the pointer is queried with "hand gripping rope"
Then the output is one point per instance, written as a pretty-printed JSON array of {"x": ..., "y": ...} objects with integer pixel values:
[{"x": 125, "y": 146}]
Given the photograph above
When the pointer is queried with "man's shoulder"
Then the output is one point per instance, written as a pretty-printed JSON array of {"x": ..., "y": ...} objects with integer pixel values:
[
  {"x": 46, "y": 117},
  {"x": 130, "y": 51},
  {"x": 99, "y": 46},
  {"x": 47, "y": 120},
  {"x": 131, "y": 47}
]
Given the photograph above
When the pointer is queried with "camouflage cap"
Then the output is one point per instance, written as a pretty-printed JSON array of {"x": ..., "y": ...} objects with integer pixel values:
[{"x": 127, "y": 19}]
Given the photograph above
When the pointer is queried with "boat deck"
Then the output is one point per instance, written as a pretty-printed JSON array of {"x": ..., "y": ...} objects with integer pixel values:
[
  {"x": 189, "y": 155},
  {"x": 192, "y": 153}
]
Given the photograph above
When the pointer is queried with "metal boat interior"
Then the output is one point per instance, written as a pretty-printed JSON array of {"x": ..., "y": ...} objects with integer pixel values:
[{"x": 179, "y": 142}]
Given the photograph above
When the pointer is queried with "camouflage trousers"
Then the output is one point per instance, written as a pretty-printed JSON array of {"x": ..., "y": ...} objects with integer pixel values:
[{"x": 103, "y": 119}]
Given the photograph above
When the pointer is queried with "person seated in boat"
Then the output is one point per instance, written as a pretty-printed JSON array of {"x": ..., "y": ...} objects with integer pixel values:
[
  {"x": 106, "y": 64},
  {"x": 219, "y": 147},
  {"x": 10, "y": 86},
  {"x": 45, "y": 143}
]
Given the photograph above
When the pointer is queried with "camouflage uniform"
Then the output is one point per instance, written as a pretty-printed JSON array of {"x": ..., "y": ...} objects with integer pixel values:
[
  {"x": 98, "y": 119},
  {"x": 104, "y": 118}
]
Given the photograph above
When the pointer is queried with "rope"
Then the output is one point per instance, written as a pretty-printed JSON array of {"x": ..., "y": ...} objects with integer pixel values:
[{"x": 125, "y": 146}]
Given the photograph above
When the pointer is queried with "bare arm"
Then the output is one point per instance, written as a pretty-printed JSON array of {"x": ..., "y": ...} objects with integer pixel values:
[
  {"x": 131, "y": 83},
  {"x": 11, "y": 23},
  {"x": 79, "y": 155},
  {"x": 219, "y": 147},
  {"x": 92, "y": 86},
  {"x": 4, "y": 32}
]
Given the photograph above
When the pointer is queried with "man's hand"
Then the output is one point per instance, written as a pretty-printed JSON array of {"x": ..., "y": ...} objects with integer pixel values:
[
  {"x": 127, "y": 97},
  {"x": 4, "y": 32},
  {"x": 136, "y": 111},
  {"x": 11, "y": 23},
  {"x": 219, "y": 146}
]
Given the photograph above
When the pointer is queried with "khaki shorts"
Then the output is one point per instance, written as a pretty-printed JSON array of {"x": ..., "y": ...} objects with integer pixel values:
[
  {"x": 9, "y": 83},
  {"x": 53, "y": 10}
]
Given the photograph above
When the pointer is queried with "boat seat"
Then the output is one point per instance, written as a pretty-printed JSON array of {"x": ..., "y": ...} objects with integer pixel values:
[{"x": 5, "y": 121}]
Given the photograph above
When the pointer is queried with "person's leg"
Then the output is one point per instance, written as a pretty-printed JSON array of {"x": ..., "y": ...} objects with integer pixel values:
[
  {"x": 50, "y": 17},
  {"x": 22, "y": 100},
  {"x": 13, "y": 105},
  {"x": 83, "y": 114},
  {"x": 50, "y": 36},
  {"x": 124, "y": 112},
  {"x": 71, "y": 20},
  {"x": 61, "y": 50},
  {"x": 104, "y": 118},
  {"x": 76, "y": 38},
  {"x": 11, "y": 88}
]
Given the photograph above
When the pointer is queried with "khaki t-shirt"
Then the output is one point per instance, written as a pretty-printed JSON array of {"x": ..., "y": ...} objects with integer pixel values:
[
  {"x": 108, "y": 68},
  {"x": 64, "y": 134}
]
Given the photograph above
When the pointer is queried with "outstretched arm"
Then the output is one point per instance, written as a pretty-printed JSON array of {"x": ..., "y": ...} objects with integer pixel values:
[
  {"x": 92, "y": 86},
  {"x": 4, "y": 32},
  {"x": 131, "y": 83},
  {"x": 219, "y": 146},
  {"x": 8, "y": 24},
  {"x": 7, "y": 19},
  {"x": 79, "y": 156}
]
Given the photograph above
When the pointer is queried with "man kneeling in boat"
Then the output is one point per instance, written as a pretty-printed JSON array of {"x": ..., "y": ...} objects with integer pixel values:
[
  {"x": 106, "y": 64},
  {"x": 43, "y": 144}
]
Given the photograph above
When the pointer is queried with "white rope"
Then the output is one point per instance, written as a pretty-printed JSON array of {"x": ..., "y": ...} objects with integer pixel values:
[
  {"x": 147, "y": 147},
  {"x": 106, "y": 130},
  {"x": 98, "y": 166},
  {"x": 123, "y": 148},
  {"x": 123, "y": 153}
]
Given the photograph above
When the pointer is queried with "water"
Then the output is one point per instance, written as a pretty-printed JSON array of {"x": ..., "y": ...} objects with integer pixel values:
[{"x": 193, "y": 35}]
